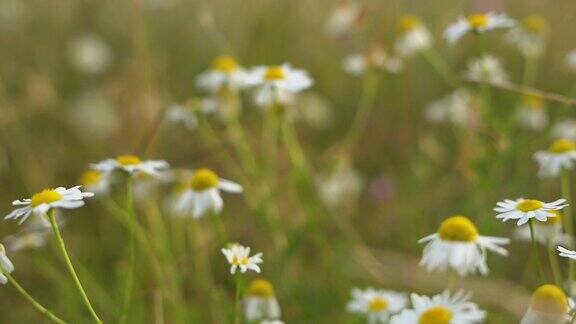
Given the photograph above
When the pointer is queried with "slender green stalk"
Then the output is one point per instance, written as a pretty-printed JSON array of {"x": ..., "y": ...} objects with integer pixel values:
[
  {"x": 33, "y": 301},
  {"x": 535, "y": 251},
  {"x": 129, "y": 284},
  {"x": 568, "y": 220},
  {"x": 441, "y": 67},
  {"x": 238, "y": 139},
  {"x": 85, "y": 299},
  {"x": 220, "y": 228},
  {"x": 554, "y": 265},
  {"x": 238, "y": 302}
]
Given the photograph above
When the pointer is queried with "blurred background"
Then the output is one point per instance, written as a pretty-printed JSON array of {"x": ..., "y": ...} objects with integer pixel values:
[{"x": 81, "y": 81}]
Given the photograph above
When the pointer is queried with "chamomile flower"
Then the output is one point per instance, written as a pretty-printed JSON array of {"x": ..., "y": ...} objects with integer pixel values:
[
  {"x": 377, "y": 305},
  {"x": 48, "y": 199},
  {"x": 201, "y": 193},
  {"x": 413, "y": 36},
  {"x": 560, "y": 156},
  {"x": 260, "y": 301},
  {"x": 441, "y": 309},
  {"x": 546, "y": 232},
  {"x": 458, "y": 108},
  {"x": 486, "y": 69},
  {"x": 458, "y": 246},
  {"x": 26, "y": 240},
  {"x": 131, "y": 164},
  {"x": 90, "y": 54},
  {"x": 5, "y": 264},
  {"x": 374, "y": 58},
  {"x": 565, "y": 129},
  {"x": 525, "y": 209},
  {"x": 277, "y": 80},
  {"x": 477, "y": 23},
  {"x": 571, "y": 60},
  {"x": 343, "y": 18},
  {"x": 239, "y": 258},
  {"x": 95, "y": 181},
  {"x": 532, "y": 114},
  {"x": 549, "y": 305},
  {"x": 225, "y": 75},
  {"x": 529, "y": 37}
]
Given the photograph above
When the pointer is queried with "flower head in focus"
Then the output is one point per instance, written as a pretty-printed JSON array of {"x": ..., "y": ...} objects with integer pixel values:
[
  {"x": 478, "y": 23},
  {"x": 413, "y": 36},
  {"x": 525, "y": 209},
  {"x": 260, "y": 301},
  {"x": 377, "y": 305},
  {"x": 458, "y": 246},
  {"x": 239, "y": 258},
  {"x": 560, "y": 156},
  {"x": 548, "y": 304}
]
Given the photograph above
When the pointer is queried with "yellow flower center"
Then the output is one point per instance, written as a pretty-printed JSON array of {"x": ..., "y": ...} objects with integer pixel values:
[
  {"x": 126, "y": 160},
  {"x": 225, "y": 64},
  {"x": 459, "y": 229},
  {"x": 478, "y": 21},
  {"x": 90, "y": 177},
  {"x": 240, "y": 261},
  {"x": 204, "y": 179},
  {"x": 529, "y": 205},
  {"x": 562, "y": 145},
  {"x": 261, "y": 288},
  {"x": 549, "y": 299},
  {"x": 274, "y": 73},
  {"x": 45, "y": 196},
  {"x": 436, "y": 315},
  {"x": 378, "y": 304},
  {"x": 535, "y": 24},
  {"x": 534, "y": 101},
  {"x": 408, "y": 23}
]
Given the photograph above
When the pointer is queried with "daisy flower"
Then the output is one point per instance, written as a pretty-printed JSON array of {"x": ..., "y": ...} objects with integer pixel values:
[
  {"x": 374, "y": 58},
  {"x": 225, "y": 75},
  {"x": 565, "y": 129},
  {"x": 546, "y": 232},
  {"x": 201, "y": 193},
  {"x": 532, "y": 114},
  {"x": 560, "y": 156},
  {"x": 548, "y": 304},
  {"x": 131, "y": 164},
  {"x": 529, "y": 37},
  {"x": 486, "y": 69},
  {"x": 458, "y": 246},
  {"x": 458, "y": 108},
  {"x": 5, "y": 264},
  {"x": 413, "y": 36},
  {"x": 377, "y": 305},
  {"x": 525, "y": 209},
  {"x": 239, "y": 257},
  {"x": 260, "y": 301},
  {"x": 95, "y": 181},
  {"x": 477, "y": 23},
  {"x": 48, "y": 199},
  {"x": 442, "y": 308},
  {"x": 343, "y": 18},
  {"x": 277, "y": 80}
]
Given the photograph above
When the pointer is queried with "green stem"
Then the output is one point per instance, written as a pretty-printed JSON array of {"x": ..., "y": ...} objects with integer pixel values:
[
  {"x": 54, "y": 224},
  {"x": 535, "y": 251},
  {"x": 568, "y": 220},
  {"x": 238, "y": 305},
  {"x": 129, "y": 284},
  {"x": 33, "y": 301},
  {"x": 441, "y": 67},
  {"x": 554, "y": 265}
]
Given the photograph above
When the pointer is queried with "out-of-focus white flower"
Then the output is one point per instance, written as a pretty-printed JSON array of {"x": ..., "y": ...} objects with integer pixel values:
[
  {"x": 532, "y": 114},
  {"x": 457, "y": 108},
  {"x": 477, "y": 23},
  {"x": 239, "y": 258},
  {"x": 545, "y": 233},
  {"x": 529, "y": 37},
  {"x": 130, "y": 164},
  {"x": 343, "y": 18},
  {"x": 313, "y": 109},
  {"x": 458, "y": 246},
  {"x": 442, "y": 308},
  {"x": 549, "y": 305},
  {"x": 5, "y": 264},
  {"x": 525, "y": 209},
  {"x": 374, "y": 58},
  {"x": 27, "y": 239},
  {"x": 47, "y": 199},
  {"x": 93, "y": 116},
  {"x": 571, "y": 60},
  {"x": 260, "y": 302},
  {"x": 377, "y": 305},
  {"x": 180, "y": 114},
  {"x": 95, "y": 181},
  {"x": 560, "y": 156},
  {"x": 564, "y": 129},
  {"x": 272, "y": 322},
  {"x": 487, "y": 68},
  {"x": 225, "y": 75},
  {"x": 201, "y": 194},
  {"x": 341, "y": 185},
  {"x": 413, "y": 36},
  {"x": 90, "y": 54},
  {"x": 275, "y": 83}
]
